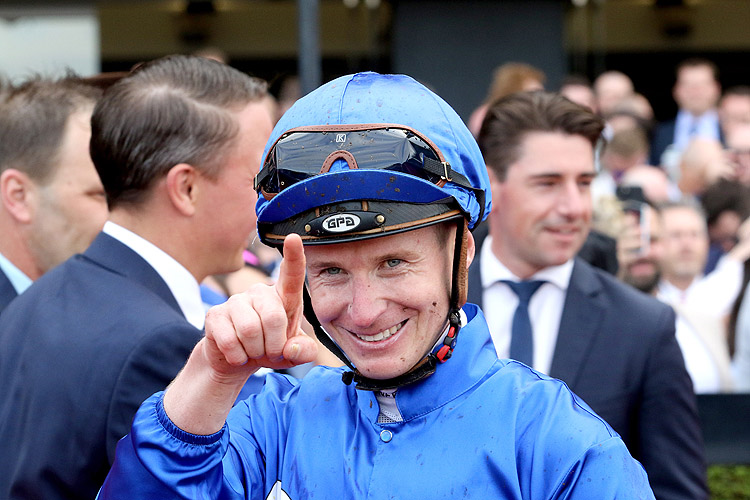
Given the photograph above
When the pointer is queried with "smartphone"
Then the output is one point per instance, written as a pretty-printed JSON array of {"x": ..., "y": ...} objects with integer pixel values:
[{"x": 634, "y": 202}]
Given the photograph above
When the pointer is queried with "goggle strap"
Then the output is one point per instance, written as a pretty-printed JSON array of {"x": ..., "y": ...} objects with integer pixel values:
[{"x": 443, "y": 170}]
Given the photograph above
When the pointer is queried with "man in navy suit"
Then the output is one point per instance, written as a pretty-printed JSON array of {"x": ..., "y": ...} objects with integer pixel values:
[
  {"x": 51, "y": 199},
  {"x": 696, "y": 92},
  {"x": 176, "y": 144},
  {"x": 614, "y": 347}
]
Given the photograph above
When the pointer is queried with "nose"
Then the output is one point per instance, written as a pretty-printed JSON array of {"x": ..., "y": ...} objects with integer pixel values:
[
  {"x": 574, "y": 201},
  {"x": 367, "y": 303}
]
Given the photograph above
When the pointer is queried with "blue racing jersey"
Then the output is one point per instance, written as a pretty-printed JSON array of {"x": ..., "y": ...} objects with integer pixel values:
[{"x": 478, "y": 427}]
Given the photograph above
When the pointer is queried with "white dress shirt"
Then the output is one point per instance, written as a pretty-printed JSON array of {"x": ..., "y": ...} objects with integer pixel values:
[
  {"x": 16, "y": 277},
  {"x": 713, "y": 293},
  {"x": 545, "y": 307},
  {"x": 710, "y": 296},
  {"x": 688, "y": 126},
  {"x": 181, "y": 283},
  {"x": 741, "y": 360},
  {"x": 699, "y": 363}
]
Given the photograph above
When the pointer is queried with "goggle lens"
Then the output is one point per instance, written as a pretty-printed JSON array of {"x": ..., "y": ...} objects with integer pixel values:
[{"x": 303, "y": 153}]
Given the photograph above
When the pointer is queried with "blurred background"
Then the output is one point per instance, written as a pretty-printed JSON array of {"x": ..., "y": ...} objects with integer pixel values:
[{"x": 450, "y": 45}]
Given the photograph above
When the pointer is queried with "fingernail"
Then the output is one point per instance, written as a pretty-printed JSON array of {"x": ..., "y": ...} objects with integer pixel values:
[{"x": 294, "y": 351}]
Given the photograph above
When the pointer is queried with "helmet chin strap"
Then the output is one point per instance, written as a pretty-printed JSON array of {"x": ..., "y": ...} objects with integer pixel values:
[{"x": 439, "y": 353}]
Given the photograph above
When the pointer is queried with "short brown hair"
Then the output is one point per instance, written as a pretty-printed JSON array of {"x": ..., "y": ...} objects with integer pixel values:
[
  {"x": 509, "y": 120},
  {"x": 33, "y": 119},
  {"x": 177, "y": 109}
]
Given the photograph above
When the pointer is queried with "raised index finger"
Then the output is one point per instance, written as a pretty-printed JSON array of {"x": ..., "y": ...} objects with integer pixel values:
[{"x": 292, "y": 279}]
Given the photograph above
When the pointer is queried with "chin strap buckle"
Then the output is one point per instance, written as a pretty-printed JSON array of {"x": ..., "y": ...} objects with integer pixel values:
[
  {"x": 347, "y": 377},
  {"x": 449, "y": 342}
]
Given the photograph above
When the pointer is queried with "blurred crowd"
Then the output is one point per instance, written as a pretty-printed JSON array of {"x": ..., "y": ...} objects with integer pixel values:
[
  {"x": 670, "y": 217},
  {"x": 671, "y": 202}
]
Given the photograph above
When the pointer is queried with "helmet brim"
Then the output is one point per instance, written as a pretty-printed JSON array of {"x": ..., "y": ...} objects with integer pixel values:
[{"x": 348, "y": 185}]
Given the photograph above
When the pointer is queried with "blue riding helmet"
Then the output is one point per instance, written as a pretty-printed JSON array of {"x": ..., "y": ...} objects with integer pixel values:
[
  {"x": 370, "y": 155},
  {"x": 423, "y": 126}
]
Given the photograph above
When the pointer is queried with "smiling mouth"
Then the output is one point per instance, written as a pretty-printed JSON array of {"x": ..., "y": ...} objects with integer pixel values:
[
  {"x": 381, "y": 335},
  {"x": 565, "y": 231}
]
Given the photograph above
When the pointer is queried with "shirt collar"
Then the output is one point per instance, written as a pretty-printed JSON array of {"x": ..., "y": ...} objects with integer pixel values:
[
  {"x": 181, "y": 283},
  {"x": 667, "y": 292},
  {"x": 492, "y": 270},
  {"x": 16, "y": 277},
  {"x": 685, "y": 119}
]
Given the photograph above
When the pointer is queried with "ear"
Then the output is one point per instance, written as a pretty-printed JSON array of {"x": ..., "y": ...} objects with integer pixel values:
[
  {"x": 182, "y": 187},
  {"x": 491, "y": 175},
  {"x": 18, "y": 193},
  {"x": 495, "y": 187},
  {"x": 470, "y": 248}
]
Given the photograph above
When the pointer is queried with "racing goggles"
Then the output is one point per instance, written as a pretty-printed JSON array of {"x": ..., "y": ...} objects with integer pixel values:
[{"x": 304, "y": 152}]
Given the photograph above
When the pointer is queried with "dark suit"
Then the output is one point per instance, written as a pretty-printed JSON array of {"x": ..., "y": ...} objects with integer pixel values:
[
  {"x": 663, "y": 136},
  {"x": 7, "y": 292},
  {"x": 81, "y": 349},
  {"x": 616, "y": 349}
]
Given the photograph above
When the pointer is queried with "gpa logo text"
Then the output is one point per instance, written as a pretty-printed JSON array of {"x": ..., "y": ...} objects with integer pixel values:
[{"x": 341, "y": 223}]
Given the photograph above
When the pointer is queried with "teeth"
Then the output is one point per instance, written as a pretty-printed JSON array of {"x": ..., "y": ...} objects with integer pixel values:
[{"x": 381, "y": 335}]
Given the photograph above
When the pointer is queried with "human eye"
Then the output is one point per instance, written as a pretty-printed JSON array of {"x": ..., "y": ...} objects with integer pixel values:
[
  {"x": 332, "y": 271},
  {"x": 393, "y": 262},
  {"x": 545, "y": 181},
  {"x": 96, "y": 193}
]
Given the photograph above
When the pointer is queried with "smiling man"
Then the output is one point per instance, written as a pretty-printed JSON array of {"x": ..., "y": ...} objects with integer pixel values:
[
  {"x": 370, "y": 185},
  {"x": 614, "y": 347},
  {"x": 176, "y": 144}
]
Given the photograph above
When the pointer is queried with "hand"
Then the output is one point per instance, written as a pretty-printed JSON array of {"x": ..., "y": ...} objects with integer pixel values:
[
  {"x": 254, "y": 329},
  {"x": 262, "y": 326},
  {"x": 628, "y": 242}
]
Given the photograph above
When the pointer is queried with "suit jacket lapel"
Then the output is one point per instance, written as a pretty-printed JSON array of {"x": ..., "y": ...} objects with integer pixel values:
[
  {"x": 582, "y": 315},
  {"x": 110, "y": 253},
  {"x": 7, "y": 292}
]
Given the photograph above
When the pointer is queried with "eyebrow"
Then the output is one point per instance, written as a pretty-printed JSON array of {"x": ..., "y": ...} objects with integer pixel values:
[
  {"x": 386, "y": 255},
  {"x": 557, "y": 175}
]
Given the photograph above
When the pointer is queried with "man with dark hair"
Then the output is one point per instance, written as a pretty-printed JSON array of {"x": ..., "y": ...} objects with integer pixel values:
[
  {"x": 176, "y": 144},
  {"x": 675, "y": 258},
  {"x": 696, "y": 92},
  {"x": 52, "y": 199},
  {"x": 614, "y": 347}
]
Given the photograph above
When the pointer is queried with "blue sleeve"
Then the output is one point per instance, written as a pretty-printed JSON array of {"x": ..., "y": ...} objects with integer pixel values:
[
  {"x": 159, "y": 460},
  {"x": 606, "y": 470}
]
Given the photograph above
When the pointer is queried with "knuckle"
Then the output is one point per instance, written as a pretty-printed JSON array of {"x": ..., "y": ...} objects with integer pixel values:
[{"x": 275, "y": 320}]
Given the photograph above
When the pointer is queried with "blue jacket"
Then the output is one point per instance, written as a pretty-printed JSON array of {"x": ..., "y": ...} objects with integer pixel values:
[
  {"x": 81, "y": 349},
  {"x": 477, "y": 428},
  {"x": 7, "y": 292}
]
